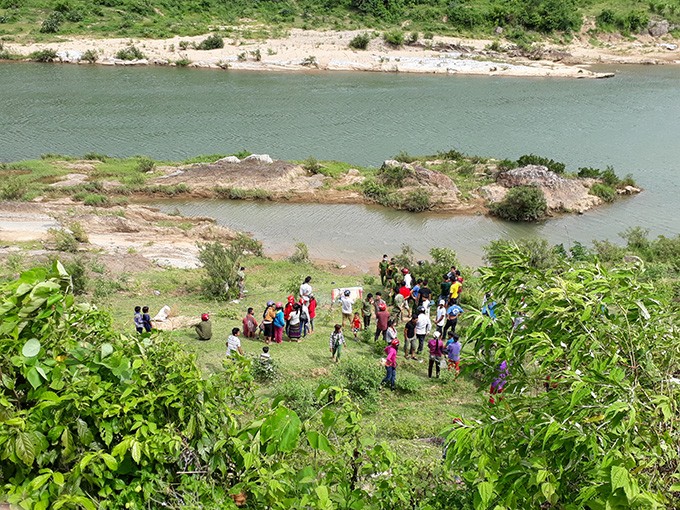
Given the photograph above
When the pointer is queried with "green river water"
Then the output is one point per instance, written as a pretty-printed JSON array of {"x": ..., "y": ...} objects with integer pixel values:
[{"x": 631, "y": 121}]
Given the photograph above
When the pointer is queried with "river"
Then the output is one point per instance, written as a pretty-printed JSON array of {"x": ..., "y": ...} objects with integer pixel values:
[{"x": 631, "y": 121}]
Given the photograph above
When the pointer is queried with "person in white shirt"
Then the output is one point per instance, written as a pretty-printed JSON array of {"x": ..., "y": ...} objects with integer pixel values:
[
  {"x": 346, "y": 302},
  {"x": 423, "y": 327},
  {"x": 408, "y": 279},
  {"x": 306, "y": 288},
  {"x": 234, "y": 343}
]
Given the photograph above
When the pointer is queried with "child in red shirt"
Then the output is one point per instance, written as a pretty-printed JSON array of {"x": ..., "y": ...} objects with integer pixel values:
[{"x": 356, "y": 325}]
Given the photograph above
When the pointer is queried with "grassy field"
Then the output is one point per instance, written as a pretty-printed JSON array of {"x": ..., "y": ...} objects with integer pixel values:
[{"x": 411, "y": 419}]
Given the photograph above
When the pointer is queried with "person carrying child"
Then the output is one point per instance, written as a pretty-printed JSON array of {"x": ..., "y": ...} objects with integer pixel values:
[{"x": 336, "y": 341}]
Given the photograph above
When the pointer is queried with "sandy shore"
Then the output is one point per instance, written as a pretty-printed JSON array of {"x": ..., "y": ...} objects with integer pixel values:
[{"x": 309, "y": 49}]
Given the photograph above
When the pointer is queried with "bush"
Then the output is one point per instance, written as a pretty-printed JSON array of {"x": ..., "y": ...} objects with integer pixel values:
[
  {"x": 417, "y": 200},
  {"x": 407, "y": 383},
  {"x": 589, "y": 172},
  {"x": 309, "y": 61},
  {"x": 145, "y": 165},
  {"x": 130, "y": 53},
  {"x": 300, "y": 255},
  {"x": 532, "y": 159},
  {"x": 606, "y": 193},
  {"x": 363, "y": 376},
  {"x": 360, "y": 42},
  {"x": 182, "y": 62},
  {"x": 78, "y": 232},
  {"x": 522, "y": 203},
  {"x": 79, "y": 277},
  {"x": 298, "y": 396},
  {"x": 610, "y": 178},
  {"x": 264, "y": 371},
  {"x": 44, "y": 55},
  {"x": 311, "y": 165},
  {"x": 394, "y": 176},
  {"x": 90, "y": 56},
  {"x": 12, "y": 189},
  {"x": 221, "y": 265},
  {"x": 394, "y": 38},
  {"x": 374, "y": 190},
  {"x": 52, "y": 24},
  {"x": 96, "y": 200},
  {"x": 246, "y": 245},
  {"x": 212, "y": 42},
  {"x": 63, "y": 240}
]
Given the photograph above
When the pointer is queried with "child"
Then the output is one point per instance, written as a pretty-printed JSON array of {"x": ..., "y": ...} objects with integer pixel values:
[
  {"x": 249, "y": 324},
  {"x": 146, "y": 319},
  {"x": 356, "y": 325},
  {"x": 234, "y": 343},
  {"x": 453, "y": 352},
  {"x": 391, "y": 364},
  {"x": 204, "y": 328},
  {"x": 139, "y": 325},
  {"x": 265, "y": 357},
  {"x": 336, "y": 341}
]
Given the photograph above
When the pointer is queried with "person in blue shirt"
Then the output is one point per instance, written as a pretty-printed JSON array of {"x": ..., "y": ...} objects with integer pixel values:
[
  {"x": 452, "y": 314},
  {"x": 488, "y": 306}
]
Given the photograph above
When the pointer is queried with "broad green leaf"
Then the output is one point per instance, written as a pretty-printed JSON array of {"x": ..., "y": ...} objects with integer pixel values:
[
  {"x": 106, "y": 350},
  {"x": 24, "y": 448},
  {"x": 31, "y": 348},
  {"x": 485, "y": 490},
  {"x": 110, "y": 461},
  {"x": 136, "y": 451},
  {"x": 34, "y": 378},
  {"x": 319, "y": 442},
  {"x": 40, "y": 480},
  {"x": 619, "y": 477},
  {"x": 58, "y": 478}
]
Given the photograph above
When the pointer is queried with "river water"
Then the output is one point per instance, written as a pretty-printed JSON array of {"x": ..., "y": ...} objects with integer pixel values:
[{"x": 631, "y": 121}]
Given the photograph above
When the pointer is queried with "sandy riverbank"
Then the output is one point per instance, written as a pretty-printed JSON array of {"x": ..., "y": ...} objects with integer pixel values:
[{"x": 309, "y": 49}]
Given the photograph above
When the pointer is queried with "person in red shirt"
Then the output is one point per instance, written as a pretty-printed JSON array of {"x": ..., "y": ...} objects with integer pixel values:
[
  {"x": 381, "y": 319},
  {"x": 287, "y": 309},
  {"x": 249, "y": 324},
  {"x": 312, "y": 312},
  {"x": 356, "y": 325}
]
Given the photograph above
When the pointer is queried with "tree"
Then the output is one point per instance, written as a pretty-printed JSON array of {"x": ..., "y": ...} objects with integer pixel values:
[{"x": 521, "y": 203}]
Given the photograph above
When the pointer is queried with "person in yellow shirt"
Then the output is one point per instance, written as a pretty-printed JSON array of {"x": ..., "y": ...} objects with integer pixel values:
[{"x": 456, "y": 288}]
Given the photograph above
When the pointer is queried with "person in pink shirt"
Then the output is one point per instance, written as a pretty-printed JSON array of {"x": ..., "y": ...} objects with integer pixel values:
[
  {"x": 391, "y": 364},
  {"x": 436, "y": 347}
]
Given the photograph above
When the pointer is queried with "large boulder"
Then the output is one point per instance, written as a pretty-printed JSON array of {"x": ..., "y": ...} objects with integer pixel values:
[
  {"x": 259, "y": 158},
  {"x": 658, "y": 28},
  {"x": 229, "y": 159}
]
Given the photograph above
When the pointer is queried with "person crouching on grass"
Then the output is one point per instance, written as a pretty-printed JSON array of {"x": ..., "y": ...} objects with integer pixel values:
[{"x": 336, "y": 341}]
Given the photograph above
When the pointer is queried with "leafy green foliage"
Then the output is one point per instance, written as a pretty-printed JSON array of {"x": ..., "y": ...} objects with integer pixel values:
[
  {"x": 63, "y": 240},
  {"x": 300, "y": 255},
  {"x": 46, "y": 55},
  {"x": 221, "y": 264},
  {"x": 521, "y": 203},
  {"x": 130, "y": 53},
  {"x": 532, "y": 159},
  {"x": 360, "y": 41},
  {"x": 52, "y": 23},
  {"x": 12, "y": 189},
  {"x": 90, "y": 56},
  {"x": 145, "y": 165},
  {"x": 607, "y": 345},
  {"x": 394, "y": 37},
  {"x": 212, "y": 42},
  {"x": 606, "y": 193},
  {"x": 632, "y": 21}
]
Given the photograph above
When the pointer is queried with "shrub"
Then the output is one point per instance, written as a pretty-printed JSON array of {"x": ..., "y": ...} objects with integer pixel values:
[
  {"x": 311, "y": 165},
  {"x": 394, "y": 176},
  {"x": 96, "y": 200},
  {"x": 90, "y": 56},
  {"x": 63, "y": 240},
  {"x": 145, "y": 165},
  {"x": 130, "y": 53},
  {"x": 46, "y": 55},
  {"x": 405, "y": 157},
  {"x": 589, "y": 172},
  {"x": 52, "y": 24},
  {"x": 363, "y": 376},
  {"x": 417, "y": 200},
  {"x": 407, "y": 383},
  {"x": 246, "y": 245},
  {"x": 374, "y": 190},
  {"x": 360, "y": 42},
  {"x": 298, "y": 396},
  {"x": 78, "y": 232},
  {"x": 606, "y": 193},
  {"x": 212, "y": 42},
  {"x": 522, "y": 203},
  {"x": 412, "y": 38},
  {"x": 610, "y": 178},
  {"x": 221, "y": 265},
  {"x": 627, "y": 181},
  {"x": 12, "y": 189},
  {"x": 74, "y": 16},
  {"x": 309, "y": 61},
  {"x": 182, "y": 62},
  {"x": 532, "y": 159},
  {"x": 264, "y": 371},
  {"x": 394, "y": 38},
  {"x": 450, "y": 154},
  {"x": 79, "y": 277},
  {"x": 300, "y": 255},
  {"x": 95, "y": 156},
  {"x": 183, "y": 45}
]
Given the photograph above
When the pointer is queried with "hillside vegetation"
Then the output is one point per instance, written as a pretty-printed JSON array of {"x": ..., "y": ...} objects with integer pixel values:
[{"x": 41, "y": 19}]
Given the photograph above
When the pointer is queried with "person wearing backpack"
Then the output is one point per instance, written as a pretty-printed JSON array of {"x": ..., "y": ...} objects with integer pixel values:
[{"x": 336, "y": 342}]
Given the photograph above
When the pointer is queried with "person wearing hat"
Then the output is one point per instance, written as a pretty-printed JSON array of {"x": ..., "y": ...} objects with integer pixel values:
[
  {"x": 436, "y": 347},
  {"x": 391, "y": 364},
  {"x": 408, "y": 279},
  {"x": 382, "y": 267},
  {"x": 440, "y": 317},
  {"x": 346, "y": 303},
  {"x": 204, "y": 328}
]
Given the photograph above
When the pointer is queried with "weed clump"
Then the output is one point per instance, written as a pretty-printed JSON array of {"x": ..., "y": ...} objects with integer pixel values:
[
  {"x": 212, "y": 42},
  {"x": 360, "y": 42},
  {"x": 522, "y": 203},
  {"x": 130, "y": 53}
]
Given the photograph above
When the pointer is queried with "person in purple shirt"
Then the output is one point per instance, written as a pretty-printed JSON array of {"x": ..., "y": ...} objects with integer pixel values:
[
  {"x": 453, "y": 352},
  {"x": 498, "y": 384}
]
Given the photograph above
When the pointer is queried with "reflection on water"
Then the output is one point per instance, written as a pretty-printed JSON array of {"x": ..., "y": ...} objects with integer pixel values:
[{"x": 359, "y": 234}]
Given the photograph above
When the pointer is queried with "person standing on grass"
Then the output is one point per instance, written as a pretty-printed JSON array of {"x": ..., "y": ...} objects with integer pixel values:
[
  {"x": 290, "y": 301},
  {"x": 234, "y": 343},
  {"x": 356, "y": 325},
  {"x": 408, "y": 279},
  {"x": 306, "y": 287},
  {"x": 377, "y": 301},
  {"x": 452, "y": 313},
  {"x": 249, "y": 324},
  {"x": 382, "y": 267},
  {"x": 436, "y": 347},
  {"x": 294, "y": 329},
  {"x": 445, "y": 289},
  {"x": 146, "y": 320},
  {"x": 425, "y": 295},
  {"x": 410, "y": 340},
  {"x": 423, "y": 327},
  {"x": 268, "y": 322},
  {"x": 137, "y": 319},
  {"x": 440, "y": 317},
  {"x": 346, "y": 303},
  {"x": 391, "y": 364},
  {"x": 304, "y": 315},
  {"x": 312, "y": 312},
  {"x": 278, "y": 323},
  {"x": 366, "y": 310},
  {"x": 390, "y": 273},
  {"x": 381, "y": 319},
  {"x": 391, "y": 333},
  {"x": 456, "y": 289},
  {"x": 453, "y": 348},
  {"x": 336, "y": 342},
  {"x": 241, "y": 282}
]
